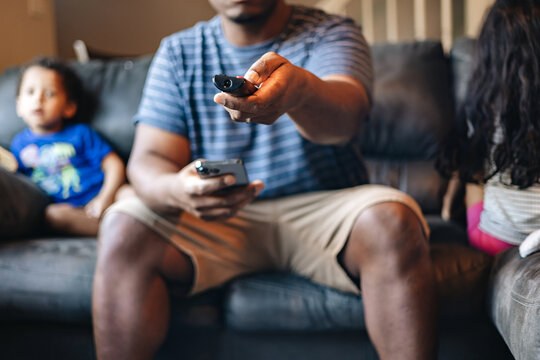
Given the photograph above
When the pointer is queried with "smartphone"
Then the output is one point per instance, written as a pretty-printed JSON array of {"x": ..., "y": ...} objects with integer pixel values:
[
  {"x": 234, "y": 85},
  {"x": 207, "y": 169}
]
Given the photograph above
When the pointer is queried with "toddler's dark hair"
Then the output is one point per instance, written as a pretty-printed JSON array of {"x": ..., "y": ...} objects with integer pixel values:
[{"x": 70, "y": 80}]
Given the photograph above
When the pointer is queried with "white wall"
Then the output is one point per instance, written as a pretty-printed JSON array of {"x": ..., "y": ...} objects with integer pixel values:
[{"x": 27, "y": 29}]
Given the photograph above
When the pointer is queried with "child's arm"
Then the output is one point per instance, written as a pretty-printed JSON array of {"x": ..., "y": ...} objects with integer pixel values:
[
  {"x": 474, "y": 193},
  {"x": 8, "y": 160},
  {"x": 115, "y": 175}
]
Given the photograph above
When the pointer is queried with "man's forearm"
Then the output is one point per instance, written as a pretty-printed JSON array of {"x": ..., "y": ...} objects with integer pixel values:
[
  {"x": 332, "y": 109},
  {"x": 152, "y": 177}
]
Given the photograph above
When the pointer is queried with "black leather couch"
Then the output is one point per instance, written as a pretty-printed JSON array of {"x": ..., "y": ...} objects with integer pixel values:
[{"x": 45, "y": 280}]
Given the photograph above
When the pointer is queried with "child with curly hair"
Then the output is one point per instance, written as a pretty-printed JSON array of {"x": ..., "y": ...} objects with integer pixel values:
[{"x": 496, "y": 147}]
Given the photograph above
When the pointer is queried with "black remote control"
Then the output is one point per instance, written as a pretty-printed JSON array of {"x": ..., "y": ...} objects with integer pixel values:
[{"x": 234, "y": 85}]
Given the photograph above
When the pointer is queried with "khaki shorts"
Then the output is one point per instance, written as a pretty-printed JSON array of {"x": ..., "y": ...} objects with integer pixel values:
[{"x": 301, "y": 233}]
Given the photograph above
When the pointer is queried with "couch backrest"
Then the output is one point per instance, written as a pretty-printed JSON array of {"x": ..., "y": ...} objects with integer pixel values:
[
  {"x": 10, "y": 124},
  {"x": 412, "y": 113},
  {"x": 414, "y": 97},
  {"x": 462, "y": 59}
]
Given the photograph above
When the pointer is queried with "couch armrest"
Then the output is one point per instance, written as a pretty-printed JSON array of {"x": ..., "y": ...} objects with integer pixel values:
[
  {"x": 514, "y": 302},
  {"x": 22, "y": 206}
]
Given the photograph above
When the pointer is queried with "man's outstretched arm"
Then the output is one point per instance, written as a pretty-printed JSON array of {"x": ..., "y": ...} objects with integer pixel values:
[{"x": 327, "y": 110}]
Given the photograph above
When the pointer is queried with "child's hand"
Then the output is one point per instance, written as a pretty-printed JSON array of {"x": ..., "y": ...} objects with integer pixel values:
[
  {"x": 530, "y": 245},
  {"x": 97, "y": 206}
]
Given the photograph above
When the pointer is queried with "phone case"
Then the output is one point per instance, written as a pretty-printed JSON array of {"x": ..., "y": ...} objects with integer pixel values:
[{"x": 207, "y": 169}]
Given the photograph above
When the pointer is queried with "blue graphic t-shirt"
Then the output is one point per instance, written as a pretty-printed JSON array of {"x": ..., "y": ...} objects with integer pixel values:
[{"x": 66, "y": 164}]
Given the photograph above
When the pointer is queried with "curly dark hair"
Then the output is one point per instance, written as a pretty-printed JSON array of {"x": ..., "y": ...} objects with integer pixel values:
[
  {"x": 70, "y": 80},
  {"x": 504, "y": 92}
]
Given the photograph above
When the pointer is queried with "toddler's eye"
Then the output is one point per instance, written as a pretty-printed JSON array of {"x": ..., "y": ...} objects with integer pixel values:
[{"x": 50, "y": 93}]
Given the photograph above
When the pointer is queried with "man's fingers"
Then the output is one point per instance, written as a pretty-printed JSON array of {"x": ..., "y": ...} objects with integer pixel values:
[
  {"x": 233, "y": 103},
  {"x": 252, "y": 116},
  {"x": 199, "y": 187},
  {"x": 264, "y": 67},
  {"x": 210, "y": 201},
  {"x": 212, "y": 208},
  {"x": 249, "y": 104},
  {"x": 266, "y": 119}
]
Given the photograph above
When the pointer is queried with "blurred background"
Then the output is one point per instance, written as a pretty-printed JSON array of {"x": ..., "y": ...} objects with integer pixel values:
[{"x": 135, "y": 27}]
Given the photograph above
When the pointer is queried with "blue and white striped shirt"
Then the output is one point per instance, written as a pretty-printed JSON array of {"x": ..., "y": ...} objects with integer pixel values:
[{"x": 178, "y": 97}]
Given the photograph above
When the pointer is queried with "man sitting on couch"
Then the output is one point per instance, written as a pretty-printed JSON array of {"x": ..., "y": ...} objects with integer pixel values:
[{"x": 296, "y": 135}]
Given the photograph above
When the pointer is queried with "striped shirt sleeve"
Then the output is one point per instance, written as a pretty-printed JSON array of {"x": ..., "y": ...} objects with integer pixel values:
[
  {"x": 162, "y": 102},
  {"x": 340, "y": 48}
]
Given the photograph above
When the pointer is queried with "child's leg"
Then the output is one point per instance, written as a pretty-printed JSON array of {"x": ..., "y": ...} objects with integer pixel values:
[
  {"x": 125, "y": 191},
  {"x": 452, "y": 192},
  {"x": 67, "y": 219},
  {"x": 478, "y": 238}
]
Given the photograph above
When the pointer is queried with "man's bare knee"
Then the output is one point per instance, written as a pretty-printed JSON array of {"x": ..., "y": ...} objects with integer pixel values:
[
  {"x": 392, "y": 226},
  {"x": 123, "y": 240},
  {"x": 390, "y": 232}
]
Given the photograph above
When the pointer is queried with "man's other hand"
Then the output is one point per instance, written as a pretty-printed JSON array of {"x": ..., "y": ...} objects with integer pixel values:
[{"x": 211, "y": 199}]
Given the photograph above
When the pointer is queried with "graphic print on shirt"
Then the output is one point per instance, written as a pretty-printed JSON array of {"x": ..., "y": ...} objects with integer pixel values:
[{"x": 52, "y": 168}]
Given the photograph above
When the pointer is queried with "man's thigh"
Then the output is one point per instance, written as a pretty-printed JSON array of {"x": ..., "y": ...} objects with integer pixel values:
[
  {"x": 315, "y": 227},
  {"x": 302, "y": 234},
  {"x": 126, "y": 241},
  {"x": 218, "y": 251}
]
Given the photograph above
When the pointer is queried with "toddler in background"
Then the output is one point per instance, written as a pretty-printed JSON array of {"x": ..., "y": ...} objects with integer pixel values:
[
  {"x": 78, "y": 169},
  {"x": 497, "y": 146}
]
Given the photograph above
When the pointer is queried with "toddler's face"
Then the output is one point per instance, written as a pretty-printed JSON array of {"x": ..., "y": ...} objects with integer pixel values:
[{"x": 42, "y": 101}]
